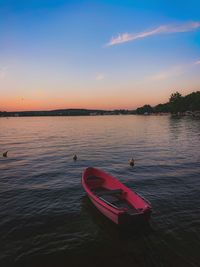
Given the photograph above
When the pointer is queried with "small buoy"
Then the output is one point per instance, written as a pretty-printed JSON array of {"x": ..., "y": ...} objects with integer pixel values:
[
  {"x": 75, "y": 157},
  {"x": 131, "y": 162},
  {"x": 5, "y": 154}
]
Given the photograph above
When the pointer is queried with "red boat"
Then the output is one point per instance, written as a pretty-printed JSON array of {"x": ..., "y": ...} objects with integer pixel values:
[{"x": 116, "y": 201}]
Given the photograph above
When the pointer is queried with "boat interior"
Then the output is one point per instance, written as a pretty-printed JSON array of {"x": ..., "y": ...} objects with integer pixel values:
[{"x": 113, "y": 197}]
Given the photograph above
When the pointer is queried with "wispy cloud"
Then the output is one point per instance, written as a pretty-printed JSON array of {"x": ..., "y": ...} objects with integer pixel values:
[
  {"x": 3, "y": 71},
  {"x": 174, "y": 71},
  {"x": 164, "y": 29},
  {"x": 100, "y": 76},
  {"x": 164, "y": 75},
  {"x": 197, "y": 62}
]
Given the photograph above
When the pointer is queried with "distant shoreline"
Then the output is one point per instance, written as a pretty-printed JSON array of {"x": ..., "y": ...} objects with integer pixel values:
[
  {"x": 111, "y": 113},
  {"x": 65, "y": 112},
  {"x": 74, "y": 112}
]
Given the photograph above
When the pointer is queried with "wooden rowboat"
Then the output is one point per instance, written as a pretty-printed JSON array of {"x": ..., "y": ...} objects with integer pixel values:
[{"x": 113, "y": 199}]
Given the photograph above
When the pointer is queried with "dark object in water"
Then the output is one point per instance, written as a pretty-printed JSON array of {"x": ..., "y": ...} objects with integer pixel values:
[
  {"x": 5, "y": 154},
  {"x": 75, "y": 157},
  {"x": 131, "y": 162}
]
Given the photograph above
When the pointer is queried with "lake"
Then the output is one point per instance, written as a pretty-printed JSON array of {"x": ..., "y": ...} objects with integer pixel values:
[{"x": 46, "y": 218}]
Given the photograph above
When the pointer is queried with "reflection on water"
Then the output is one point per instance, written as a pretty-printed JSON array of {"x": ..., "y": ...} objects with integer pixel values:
[{"x": 46, "y": 219}]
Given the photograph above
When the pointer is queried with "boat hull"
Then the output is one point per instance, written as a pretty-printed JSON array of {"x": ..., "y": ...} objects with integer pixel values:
[
  {"x": 106, "y": 212},
  {"x": 138, "y": 211}
]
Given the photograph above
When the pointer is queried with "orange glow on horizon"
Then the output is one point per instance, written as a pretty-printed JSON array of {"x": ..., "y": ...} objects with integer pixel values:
[
  {"x": 111, "y": 101},
  {"x": 108, "y": 103}
]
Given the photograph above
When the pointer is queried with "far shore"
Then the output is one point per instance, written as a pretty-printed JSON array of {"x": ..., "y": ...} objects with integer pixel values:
[{"x": 80, "y": 112}]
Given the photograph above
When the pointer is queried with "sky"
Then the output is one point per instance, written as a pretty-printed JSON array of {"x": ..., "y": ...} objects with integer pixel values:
[{"x": 58, "y": 54}]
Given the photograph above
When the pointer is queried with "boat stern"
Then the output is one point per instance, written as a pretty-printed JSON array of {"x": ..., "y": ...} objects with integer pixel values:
[{"x": 127, "y": 218}]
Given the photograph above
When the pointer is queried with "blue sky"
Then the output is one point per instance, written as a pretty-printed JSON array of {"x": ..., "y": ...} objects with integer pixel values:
[{"x": 105, "y": 54}]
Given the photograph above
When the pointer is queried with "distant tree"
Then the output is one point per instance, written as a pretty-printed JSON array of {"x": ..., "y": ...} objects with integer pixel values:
[
  {"x": 175, "y": 97},
  {"x": 144, "y": 109},
  {"x": 176, "y": 102},
  {"x": 162, "y": 108},
  {"x": 192, "y": 101}
]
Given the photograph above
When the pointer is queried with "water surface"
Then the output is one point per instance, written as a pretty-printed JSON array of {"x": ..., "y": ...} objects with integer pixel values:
[{"x": 46, "y": 218}]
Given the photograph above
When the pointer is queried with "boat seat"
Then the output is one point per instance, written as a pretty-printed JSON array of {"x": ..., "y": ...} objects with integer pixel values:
[
  {"x": 109, "y": 198},
  {"x": 119, "y": 204},
  {"x": 110, "y": 192},
  {"x": 109, "y": 203}
]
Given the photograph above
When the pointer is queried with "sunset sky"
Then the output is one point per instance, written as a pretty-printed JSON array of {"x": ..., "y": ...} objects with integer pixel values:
[{"x": 97, "y": 54}]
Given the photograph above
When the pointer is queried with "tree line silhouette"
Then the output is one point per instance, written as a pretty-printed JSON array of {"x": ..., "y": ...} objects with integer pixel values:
[{"x": 176, "y": 104}]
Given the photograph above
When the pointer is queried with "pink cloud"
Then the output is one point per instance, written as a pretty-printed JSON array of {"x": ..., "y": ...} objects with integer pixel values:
[{"x": 164, "y": 29}]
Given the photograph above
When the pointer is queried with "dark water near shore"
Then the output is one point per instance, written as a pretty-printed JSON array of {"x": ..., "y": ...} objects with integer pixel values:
[{"x": 45, "y": 217}]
